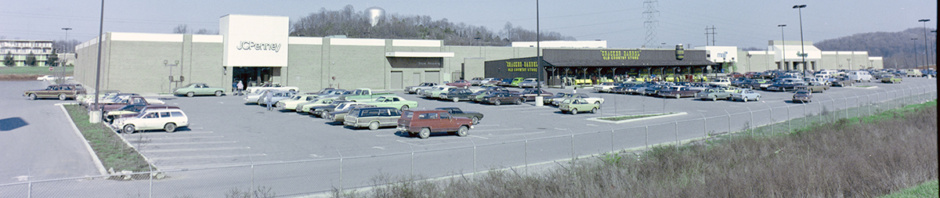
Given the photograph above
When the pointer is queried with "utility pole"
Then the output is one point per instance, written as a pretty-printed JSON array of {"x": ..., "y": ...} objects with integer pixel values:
[{"x": 710, "y": 31}]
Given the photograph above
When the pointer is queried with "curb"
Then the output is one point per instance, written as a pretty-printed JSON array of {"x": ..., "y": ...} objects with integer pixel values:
[
  {"x": 638, "y": 119},
  {"x": 94, "y": 155}
]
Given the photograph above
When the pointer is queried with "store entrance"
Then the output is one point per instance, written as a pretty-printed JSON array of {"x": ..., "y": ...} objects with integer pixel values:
[{"x": 254, "y": 76}]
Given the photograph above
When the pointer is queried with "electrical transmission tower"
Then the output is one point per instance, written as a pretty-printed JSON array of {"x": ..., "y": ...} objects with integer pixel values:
[
  {"x": 650, "y": 15},
  {"x": 710, "y": 31}
]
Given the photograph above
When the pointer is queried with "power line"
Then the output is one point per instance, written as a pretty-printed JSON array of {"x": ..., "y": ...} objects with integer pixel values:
[{"x": 712, "y": 33}]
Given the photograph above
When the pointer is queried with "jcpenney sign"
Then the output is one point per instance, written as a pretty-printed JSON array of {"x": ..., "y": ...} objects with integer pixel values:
[{"x": 249, "y": 45}]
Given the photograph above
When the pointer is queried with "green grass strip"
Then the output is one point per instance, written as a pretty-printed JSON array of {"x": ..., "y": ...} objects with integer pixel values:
[
  {"x": 629, "y": 117},
  {"x": 36, "y": 70},
  {"x": 109, "y": 147},
  {"x": 926, "y": 189}
]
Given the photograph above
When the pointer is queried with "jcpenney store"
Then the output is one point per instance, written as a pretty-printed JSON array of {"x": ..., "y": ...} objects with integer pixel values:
[{"x": 257, "y": 49}]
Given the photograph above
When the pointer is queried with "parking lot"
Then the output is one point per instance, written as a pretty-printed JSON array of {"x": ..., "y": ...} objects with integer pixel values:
[
  {"x": 230, "y": 143},
  {"x": 226, "y": 131}
]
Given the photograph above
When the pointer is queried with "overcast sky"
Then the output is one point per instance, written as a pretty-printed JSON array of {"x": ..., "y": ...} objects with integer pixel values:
[{"x": 743, "y": 23}]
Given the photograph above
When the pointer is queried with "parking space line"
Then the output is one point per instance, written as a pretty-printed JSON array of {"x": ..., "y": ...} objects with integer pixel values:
[
  {"x": 205, "y": 157},
  {"x": 174, "y": 134},
  {"x": 509, "y": 129},
  {"x": 185, "y": 143},
  {"x": 187, "y": 150},
  {"x": 190, "y": 137}
]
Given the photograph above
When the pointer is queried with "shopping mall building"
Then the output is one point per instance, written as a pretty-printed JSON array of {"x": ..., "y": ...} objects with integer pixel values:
[{"x": 258, "y": 49}]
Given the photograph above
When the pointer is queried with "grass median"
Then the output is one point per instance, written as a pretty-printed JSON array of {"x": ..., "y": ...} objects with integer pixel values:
[
  {"x": 30, "y": 73},
  {"x": 883, "y": 154},
  {"x": 114, "y": 153}
]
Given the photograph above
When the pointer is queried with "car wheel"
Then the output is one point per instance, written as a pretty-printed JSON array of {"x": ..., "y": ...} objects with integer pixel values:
[
  {"x": 190, "y": 94},
  {"x": 475, "y": 120},
  {"x": 597, "y": 102},
  {"x": 424, "y": 133},
  {"x": 218, "y": 93},
  {"x": 518, "y": 101},
  {"x": 715, "y": 98},
  {"x": 61, "y": 96},
  {"x": 594, "y": 110},
  {"x": 32, "y": 96},
  {"x": 373, "y": 126},
  {"x": 757, "y": 99},
  {"x": 463, "y": 131},
  {"x": 574, "y": 111},
  {"x": 405, "y": 107},
  {"x": 128, "y": 129},
  {"x": 678, "y": 96},
  {"x": 456, "y": 100},
  {"x": 169, "y": 127},
  {"x": 497, "y": 103}
]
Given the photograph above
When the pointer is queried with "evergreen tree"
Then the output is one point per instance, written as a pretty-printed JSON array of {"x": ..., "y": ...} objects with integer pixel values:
[
  {"x": 31, "y": 59},
  {"x": 52, "y": 59},
  {"x": 8, "y": 59}
]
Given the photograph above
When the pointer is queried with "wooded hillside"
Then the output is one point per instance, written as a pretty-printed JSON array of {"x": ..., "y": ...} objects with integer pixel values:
[{"x": 897, "y": 48}]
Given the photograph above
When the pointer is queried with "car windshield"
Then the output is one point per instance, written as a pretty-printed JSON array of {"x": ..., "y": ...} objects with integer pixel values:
[
  {"x": 803, "y": 92},
  {"x": 380, "y": 99}
]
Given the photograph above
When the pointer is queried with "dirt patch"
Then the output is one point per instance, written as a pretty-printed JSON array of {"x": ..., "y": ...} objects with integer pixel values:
[{"x": 18, "y": 77}]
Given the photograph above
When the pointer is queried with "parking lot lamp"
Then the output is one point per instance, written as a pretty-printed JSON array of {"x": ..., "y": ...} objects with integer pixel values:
[
  {"x": 926, "y": 50},
  {"x": 802, "y": 48},
  {"x": 97, "y": 108},
  {"x": 783, "y": 61}
]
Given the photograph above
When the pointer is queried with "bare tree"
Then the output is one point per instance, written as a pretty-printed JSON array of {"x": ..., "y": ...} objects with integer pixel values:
[{"x": 181, "y": 29}]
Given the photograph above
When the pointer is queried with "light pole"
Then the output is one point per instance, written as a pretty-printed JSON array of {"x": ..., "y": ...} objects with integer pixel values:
[
  {"x": 926, "y": 50},
  {"x": 783, "y": 62},
  {"x": 914, "y": 40},
  {"x": 802, "y": 48},
  {"x": 850, "y": 62},
  {"x": 97, "y": 108},
  {"x": 538, "y": 50},
  {"x": 67, "y": 36},
  {"x": 748, "y": 61}
]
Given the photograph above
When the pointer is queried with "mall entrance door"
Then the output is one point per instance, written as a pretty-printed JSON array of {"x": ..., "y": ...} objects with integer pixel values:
[{"x": 254, "y": 76}]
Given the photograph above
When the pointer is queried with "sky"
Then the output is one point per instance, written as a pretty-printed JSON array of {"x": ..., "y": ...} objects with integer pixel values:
[{"x": 742, "y": 23}]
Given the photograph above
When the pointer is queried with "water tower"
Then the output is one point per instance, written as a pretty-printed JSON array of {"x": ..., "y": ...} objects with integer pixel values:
[{"x": 375, "y": 14}]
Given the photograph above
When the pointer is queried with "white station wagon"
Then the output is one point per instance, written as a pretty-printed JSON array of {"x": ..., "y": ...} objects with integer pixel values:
[{"x": 166, "y": 119}]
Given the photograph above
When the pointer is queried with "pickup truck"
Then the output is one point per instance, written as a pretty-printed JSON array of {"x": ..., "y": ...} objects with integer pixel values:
[
  {"x": 423, "y": 123},
  {"x": 392, "y": 101},
  {"x": 363, "y": 94}
]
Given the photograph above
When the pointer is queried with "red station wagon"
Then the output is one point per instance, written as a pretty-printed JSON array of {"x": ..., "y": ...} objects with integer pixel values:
[{"x": 424, "y": 122}]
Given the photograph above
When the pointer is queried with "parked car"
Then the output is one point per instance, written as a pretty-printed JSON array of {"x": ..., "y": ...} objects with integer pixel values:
[
  {"x": 393, "y": 102},
  {"x": 424, "y": 122},
  {"x": 605, "y": 86},
  {"x": 363, "y": 94},
  {"x": 475, "y": 117},
  {"x": 724, "y": 82},
  {"x": 529, "y": 82},
  {"x": 713, "y": 94},
  {"x": 746, "y": 95},
  {"x": 372, "y": 117},
  {"x": 515, "y": 81},
  {"x": 476, "y": 81},
  {"x": 291, "y": 103},
  {"x": 803, "y": 96},
  {"x": 530, "y": 94},
  {"x": 435, "y": 92},
  {"x": 859, "y": 76},
  {"x": 276, "y": 87},
  {"x": 457, "y": 95},
  {"x": 815, "y": 87},
  {"x": 307, "y": 106},
  {"x": 499, "y": 98},
  {"x": 558, "y": 99},
  {"x": 914, "y": 73},
  {"x": 460, "y": 83},
  {"x": 505, "y": 82},
  {"x": 338, "y": 115},
  {"x": 491, "y": 81},
  {"x": 322, "y": 111},
  {"x": 194, "y": 89},
  {"x": 414, "y": 89},
  {"x": 131, "y": 111},
  {"x": 152, "y": 119},
  {"x": 843, "y": 82},
  {"x": 574, "y": 106},
  {"x": 677, "y": 92},
  {"x": 890, "y": 78},
  {"x": 119, "y": 102},
  {"x": 60, "y": 91}
]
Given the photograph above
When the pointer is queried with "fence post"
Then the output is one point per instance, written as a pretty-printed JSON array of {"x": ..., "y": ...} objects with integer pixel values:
[
  {"x": 611, "y": 139},
  {"x": 647, "y": 137},
  {"x": 29, "y": 183},
  {"x": 150, "y": 193},
  {"x": 412, "y": 161},
  {"x": 250, "y": 188},
  {"x": 705, "y": 129},
  {"x": 677, "y": 136},
  {"x": 474, "y": 157},
  {"x": 340, "y": 172},
  {"x": 789, "y": 128},
  {"x": 750, "y": 126},
  {"x": 525, "y": 153},
  {"x": 729, "y": 121},
  {"x": 572, "y": 147}
]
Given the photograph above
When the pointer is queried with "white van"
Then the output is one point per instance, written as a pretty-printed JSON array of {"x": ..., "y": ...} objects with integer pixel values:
[{"x": 859, "y": 76}]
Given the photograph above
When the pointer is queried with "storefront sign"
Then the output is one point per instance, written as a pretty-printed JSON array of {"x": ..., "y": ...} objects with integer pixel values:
[
  {"x": 519, "y": 66},
  {"x": 620, "y": 54},
  {"x": 248, "y": 45}
]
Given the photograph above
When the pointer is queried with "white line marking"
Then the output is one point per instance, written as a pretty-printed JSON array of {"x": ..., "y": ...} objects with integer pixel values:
[
  {"x": 408, "y": 143},
  {"x": 591, "y": 124},
  {"x": 384, "y": 135},
  {"x": 195, "y": 149},
  {"x": 171, "y": 138},
  {"x": 510, "y": 129},
  {"x": 379, "y": 147},
  {"x": 205, "y": 157},
  {"x": 481, "y": 137},
  {"x": 187, "y": 143},
  {"x": 174, "y": 134}
]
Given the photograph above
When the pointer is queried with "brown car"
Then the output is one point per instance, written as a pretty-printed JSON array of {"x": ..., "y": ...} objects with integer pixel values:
[
  {"x": 530, "y": 94},
  {"x": 502, "y": 98},
  {"x": 424, "y": 122},
  {"x": 60, "y": 91}
]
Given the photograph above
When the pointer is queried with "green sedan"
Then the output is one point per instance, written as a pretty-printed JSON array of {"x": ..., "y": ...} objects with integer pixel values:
[
  {"x": 577, "y": 105},
  {"x": 890, "y": 78},
  {"x": 198, "y": 89}
]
